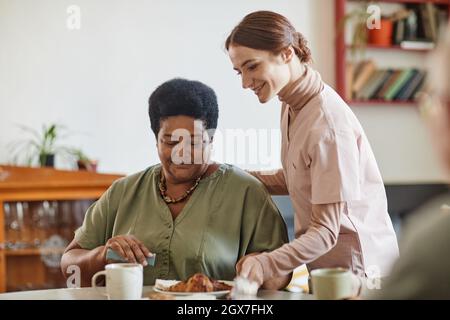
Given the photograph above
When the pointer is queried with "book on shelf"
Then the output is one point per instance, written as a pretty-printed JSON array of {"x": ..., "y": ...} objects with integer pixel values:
[
  {"x": 401, "y": 90},
  {"x": 402, "y": 79},
  {"x": 417, "y": 45},
  {"x": 388, "y": 84},
  {"x": 428, "y": 15},
  {"x": 370, "y": 85},
  {"x": 412, "y": 87},
  {"x": 399, "y": 27},
  {"x": 398, "y": 18},
  {"x": 363, "y": 73},
  {"x": 411, "y": 26},
  {"x": 386, "y": 76},
  {"x": 417, "y": 25}
]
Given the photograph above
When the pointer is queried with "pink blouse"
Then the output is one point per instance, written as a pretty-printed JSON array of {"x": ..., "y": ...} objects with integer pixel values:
[{"x": 334, "y": 183}]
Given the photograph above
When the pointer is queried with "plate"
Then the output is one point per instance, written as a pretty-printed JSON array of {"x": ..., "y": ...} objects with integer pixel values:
[{"x": 161, "y": 285}]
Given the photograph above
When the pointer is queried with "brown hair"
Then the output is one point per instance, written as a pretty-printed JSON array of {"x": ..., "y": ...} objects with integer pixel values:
[{"x": 267, "y": 30}]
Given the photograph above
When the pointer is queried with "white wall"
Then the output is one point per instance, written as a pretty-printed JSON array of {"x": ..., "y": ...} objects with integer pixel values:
[{"x": 96, "y": 80}]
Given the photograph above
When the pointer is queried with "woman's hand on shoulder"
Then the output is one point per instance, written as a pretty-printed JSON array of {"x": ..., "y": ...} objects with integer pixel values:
[{"x": 129, "y": 247}]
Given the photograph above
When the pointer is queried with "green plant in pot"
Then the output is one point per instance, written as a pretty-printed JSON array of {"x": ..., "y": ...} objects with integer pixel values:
[
  {"x": 40, "y": 147},
  {"x": 83, "y": 161},
  {"x": 358, "y": 19},
  {"x": 370, "y": 27}
]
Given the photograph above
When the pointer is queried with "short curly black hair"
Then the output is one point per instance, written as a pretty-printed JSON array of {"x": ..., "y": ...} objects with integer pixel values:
[{"x": 183, "y": 97}]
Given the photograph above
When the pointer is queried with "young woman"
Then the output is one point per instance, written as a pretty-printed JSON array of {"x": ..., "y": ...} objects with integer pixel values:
[{"x": 329, "y": 170}]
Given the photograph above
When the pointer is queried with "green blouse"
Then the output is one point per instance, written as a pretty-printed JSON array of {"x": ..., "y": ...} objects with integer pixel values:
[{"x": 230, "y": 214}]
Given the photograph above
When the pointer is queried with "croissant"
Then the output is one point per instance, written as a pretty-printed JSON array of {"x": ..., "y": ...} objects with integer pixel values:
[
  {"x": 179, "y": 287},
  {"x": 199, "y": 283}
]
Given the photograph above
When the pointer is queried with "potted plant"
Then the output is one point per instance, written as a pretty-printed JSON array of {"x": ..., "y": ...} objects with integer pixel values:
[
  {"x": 41, "y": 147},
  {"x": 83, "y": 161},
  {"x": 382, "y": 36},
  {"x": 358, "y": 20},
  {"x": 379, "y": 35}
]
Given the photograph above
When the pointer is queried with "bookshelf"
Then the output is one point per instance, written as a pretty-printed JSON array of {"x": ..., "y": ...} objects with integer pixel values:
[{"x": 385, "y": 54}]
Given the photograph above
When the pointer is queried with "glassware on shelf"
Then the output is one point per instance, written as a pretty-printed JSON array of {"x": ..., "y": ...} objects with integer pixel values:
[
  {"x": 39, "y": 221},
  {"x": 50, "y": 218},
  {"x": 28, "y": 224},
  {"x": 47, "y": 227},
  {"x": 21, "y": 224},
  {"x": 14, "y": 225},
  {"x": 65, "y": 220},
  {"x": 26, "y": 237},
  {"x": 7, "y": 220}
]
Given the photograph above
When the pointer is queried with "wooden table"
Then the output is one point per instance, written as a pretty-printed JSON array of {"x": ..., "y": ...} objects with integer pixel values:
[{"x": 98, "y": 294}]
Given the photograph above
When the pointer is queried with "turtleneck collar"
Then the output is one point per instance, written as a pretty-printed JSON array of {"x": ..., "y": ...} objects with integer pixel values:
[{"x": 298, "y": 93}]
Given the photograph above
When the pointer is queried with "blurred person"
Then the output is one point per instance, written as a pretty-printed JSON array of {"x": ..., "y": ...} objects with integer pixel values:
[{"x": 423, "y": 269}]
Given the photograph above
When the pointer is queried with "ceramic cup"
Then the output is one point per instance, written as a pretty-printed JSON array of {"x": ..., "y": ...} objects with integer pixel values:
[
  {"x": 123, "y": 281},
  {"x": 334, "y": 284}
]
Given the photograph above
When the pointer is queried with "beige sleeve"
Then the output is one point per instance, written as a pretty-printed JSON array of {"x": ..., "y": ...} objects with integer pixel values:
[
  {"x": 274, "y": 181},
  {"x": 320, "y": 237}
]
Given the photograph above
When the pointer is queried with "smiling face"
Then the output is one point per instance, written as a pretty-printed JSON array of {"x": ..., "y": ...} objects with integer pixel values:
[
  {"x": 261, "y": 71},
  {"x": 184, "y": 148}
]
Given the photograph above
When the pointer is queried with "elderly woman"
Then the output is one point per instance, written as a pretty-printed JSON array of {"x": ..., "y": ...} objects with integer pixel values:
[{"x": 195, "y": 215}]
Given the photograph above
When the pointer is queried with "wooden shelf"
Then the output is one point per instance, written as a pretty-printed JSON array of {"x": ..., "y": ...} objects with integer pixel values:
[
  {"x": 393, "y": 47},
  {"x": 33, "y": 251},
  {"x": 24, "y": 267},
  {"x": 381, "y": 102},
  {"x": 443, "y": 2}
]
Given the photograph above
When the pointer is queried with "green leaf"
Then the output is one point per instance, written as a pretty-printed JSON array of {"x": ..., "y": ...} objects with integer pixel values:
[{"x": 38, "y": 144}]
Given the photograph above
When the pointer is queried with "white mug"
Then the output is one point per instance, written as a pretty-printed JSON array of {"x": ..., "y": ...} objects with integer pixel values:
[
  {"x": 335, "y": 284},
  {"x": 123, "y": 281}
]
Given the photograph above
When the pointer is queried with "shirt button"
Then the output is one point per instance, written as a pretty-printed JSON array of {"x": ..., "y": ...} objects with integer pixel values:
[{"x": 167, "y": 237}]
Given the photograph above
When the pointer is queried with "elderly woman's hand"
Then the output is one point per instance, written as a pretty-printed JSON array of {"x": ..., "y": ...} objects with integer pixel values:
[
  {"x": 129, "y": 247},
  {"x": 250, "y": 268}
]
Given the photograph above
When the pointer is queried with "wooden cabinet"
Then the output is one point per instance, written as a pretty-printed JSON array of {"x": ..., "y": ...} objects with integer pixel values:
[{"x": 39, "y": 210}]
